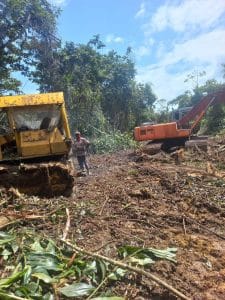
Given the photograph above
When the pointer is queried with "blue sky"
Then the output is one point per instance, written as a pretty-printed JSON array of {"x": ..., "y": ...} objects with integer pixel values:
[{"x": 170, "y": 39}]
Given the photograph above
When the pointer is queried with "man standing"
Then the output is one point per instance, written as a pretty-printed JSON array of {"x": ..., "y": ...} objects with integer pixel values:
[{"x": 79, "y": 148}]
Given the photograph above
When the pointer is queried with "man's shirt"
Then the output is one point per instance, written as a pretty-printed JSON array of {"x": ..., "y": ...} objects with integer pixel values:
[{"x": 79, "y": 148}]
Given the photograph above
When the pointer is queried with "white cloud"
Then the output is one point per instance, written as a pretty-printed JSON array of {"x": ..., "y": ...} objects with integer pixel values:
[
  {"x": 150, "y": 41},
  {"x": 118, "y": 39},
  {"x": 59, "y": 2},
  {"x": 188, "y": 14},
  {"x": 142, "y": 51},
  {"x": 165, "y": 85},
  {"x": 168, "y": 86},
  {"x": 201, "y": 45},
  {"x": 141, "y": 12},
  {"x": 161, "y": 50},
  {"x": 205, "y": 52},
  {"x": 208, "y": 47},
  {"x": 145, "y": 49},
  {"x": 111, "y": 38}
]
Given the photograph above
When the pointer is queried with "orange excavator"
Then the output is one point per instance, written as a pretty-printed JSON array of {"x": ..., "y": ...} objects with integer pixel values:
[{"x": 176, "y": 133}]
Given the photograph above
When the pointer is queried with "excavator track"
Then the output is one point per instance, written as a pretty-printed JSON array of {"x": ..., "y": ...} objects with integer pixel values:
[
  {"x": 199, "y": 142},
  {"x": 170, "y": 145},
  {"x": 38, "y": 179},
  {"x": 151, "y": 148}
]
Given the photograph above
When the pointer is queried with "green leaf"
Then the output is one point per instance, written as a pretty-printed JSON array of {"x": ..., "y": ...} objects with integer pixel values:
[
  {"x": 36, "y": 247},
  {"x": 6, "y": 238},
  {"x": 44, "y": 260},
  {"x": 44, "y": 277},
  {"x": 90, "y": 267},
  {"x": 48, "y": 296},
  {"x": 6, "y": 282},
  {"x": 50, "y": 247},
  {"x": 7, "y": 296},
  {"x": 142, "y": 261},
  {"x": 64, "y": 274},
  {"x": 101, "y": 269},
  {"x": 112, "y": 276},
  {"x": 40, "y": 270},
  {"x": 77, "y": 290},
  {"x": 14, "y": 247},
  {"x": 152, "y": 253},
  {"x": 30, "y": 288},
  {"x": 128, "y": 250},
  {"x": 6, "y": 253},
  {"x": 168, "y": 253},
  {"x": 118, "y": 274},
  {"x": 26, "y": 277}
]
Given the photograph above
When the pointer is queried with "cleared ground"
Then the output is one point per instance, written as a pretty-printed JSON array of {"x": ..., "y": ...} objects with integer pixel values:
[{"x": 147, "y": 201}]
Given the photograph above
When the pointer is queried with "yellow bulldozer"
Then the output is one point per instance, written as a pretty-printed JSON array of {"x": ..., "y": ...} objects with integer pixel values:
[{"x": 35, "y": 142}]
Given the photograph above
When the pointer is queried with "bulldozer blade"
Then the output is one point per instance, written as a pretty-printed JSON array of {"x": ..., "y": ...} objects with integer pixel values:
[{"x": 44, "y": 179}]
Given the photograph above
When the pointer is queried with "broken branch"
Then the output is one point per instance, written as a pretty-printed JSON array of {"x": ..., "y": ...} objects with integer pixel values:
[
  {"x": 130, "y": 268},
  {"x": 184, "y": 226},
  {"x": 65, "y": 233},
  {"x": 103, "y": 206}
]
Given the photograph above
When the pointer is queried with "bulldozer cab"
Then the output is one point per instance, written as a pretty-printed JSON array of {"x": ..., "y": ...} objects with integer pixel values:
[{"x": 33, "y": 126}]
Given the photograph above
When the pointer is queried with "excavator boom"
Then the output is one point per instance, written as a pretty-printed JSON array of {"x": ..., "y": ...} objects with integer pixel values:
[{"x": 201, "y": 108}]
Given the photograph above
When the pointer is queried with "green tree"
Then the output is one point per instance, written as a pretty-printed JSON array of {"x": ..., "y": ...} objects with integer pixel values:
[
  {"x": 182, "y": 100},
  {"x": 194, "y": 77},
  {"x": 82, "y": 77},
  {"x": 117, "y": 89},
  {"x": 78, "y": 74},
  {"x": 190, "y": 98},
  {"x": 96, "y": 42},
  {"x": 142, "y": 104},
  {"x": 25, "y": 27},
  {"x": 162, "y": 115},
  {"x": 214, "y": 119},
  {"x": 100, "y": 90}
]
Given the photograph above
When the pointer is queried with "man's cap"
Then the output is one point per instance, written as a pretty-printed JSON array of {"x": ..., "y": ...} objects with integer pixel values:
[{"x": 77, "y": 133}]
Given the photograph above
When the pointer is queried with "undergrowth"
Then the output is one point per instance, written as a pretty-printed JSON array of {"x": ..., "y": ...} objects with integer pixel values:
[{"x": 111, "y": 142}]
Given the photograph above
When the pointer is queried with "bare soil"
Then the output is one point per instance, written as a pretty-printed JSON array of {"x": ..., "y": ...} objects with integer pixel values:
[{"x": 147, "y": 201}]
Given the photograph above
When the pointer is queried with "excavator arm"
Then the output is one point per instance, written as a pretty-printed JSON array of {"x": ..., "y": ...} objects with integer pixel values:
[{"x": 199, "y": 110}]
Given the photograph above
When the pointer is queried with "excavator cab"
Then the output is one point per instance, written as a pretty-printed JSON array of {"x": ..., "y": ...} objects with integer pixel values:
[{"x": 34, "y": 131}]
